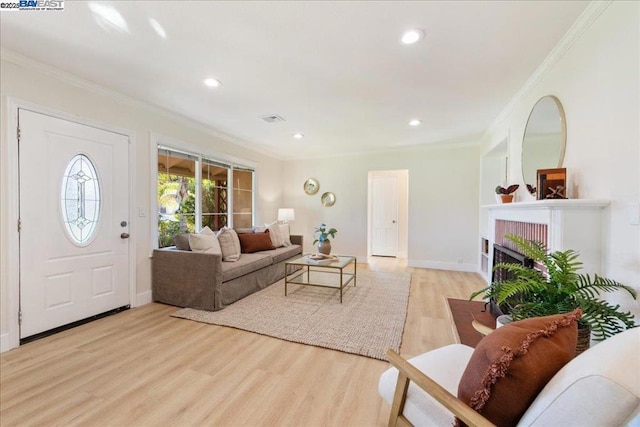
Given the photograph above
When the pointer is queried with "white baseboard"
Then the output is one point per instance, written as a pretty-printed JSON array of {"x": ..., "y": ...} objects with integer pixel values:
[
  {"x": 4, "y": 343},
  {"x": 441, "y": 265},
  {"x": 143, "y": 298}
]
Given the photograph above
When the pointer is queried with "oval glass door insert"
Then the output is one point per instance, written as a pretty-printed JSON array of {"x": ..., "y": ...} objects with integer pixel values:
[{"x": 80, "y": 199}]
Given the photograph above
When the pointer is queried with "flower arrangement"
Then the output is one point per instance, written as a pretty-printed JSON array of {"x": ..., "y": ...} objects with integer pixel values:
[{"x": 320, "y": 233}]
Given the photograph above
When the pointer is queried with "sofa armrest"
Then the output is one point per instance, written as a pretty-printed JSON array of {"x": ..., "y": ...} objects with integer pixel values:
[
  {"x": 297, "y": 239},
  {"x": 185, "y": 278}
]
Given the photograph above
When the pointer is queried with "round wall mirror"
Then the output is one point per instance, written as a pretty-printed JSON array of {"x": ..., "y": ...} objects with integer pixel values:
[
  {"x": 328, "y": 199},
  {"x": 545, "y": 138}
]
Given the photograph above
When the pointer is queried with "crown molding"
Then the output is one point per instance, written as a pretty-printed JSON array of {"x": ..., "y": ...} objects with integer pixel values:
[
  {"x": 58, "y": 74},
  {"x": 582, "y": 24}
]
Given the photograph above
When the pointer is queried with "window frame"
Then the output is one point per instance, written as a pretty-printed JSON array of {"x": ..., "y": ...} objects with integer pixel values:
[{"x": 159, "y": 142}]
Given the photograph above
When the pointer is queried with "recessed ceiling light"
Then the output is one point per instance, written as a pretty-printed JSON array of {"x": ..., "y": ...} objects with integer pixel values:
[
  {"x": 298, "y": 135},
  {"x": 412, "y": 36},
  {"x": 212, "y": 82},
  {"x": 157, "y": 28},
  {"x": 415, "y": 122}
]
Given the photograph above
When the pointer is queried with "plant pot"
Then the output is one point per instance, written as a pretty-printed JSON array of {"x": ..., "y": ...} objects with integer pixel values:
[
  {"x": 324, "y": 247},
  {"x": 584, "y": 339},
  {"x": 506, "y": 198}
]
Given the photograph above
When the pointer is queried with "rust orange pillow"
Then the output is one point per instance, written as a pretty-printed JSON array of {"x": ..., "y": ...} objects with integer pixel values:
[
  {"x": 255, "y": 242},
  {"x": 511, "y": 365}
]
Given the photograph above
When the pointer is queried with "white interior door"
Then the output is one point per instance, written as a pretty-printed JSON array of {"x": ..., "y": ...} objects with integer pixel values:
[
  {"x": 74, "y": 208},
  {"x": 384, "y": 215}
]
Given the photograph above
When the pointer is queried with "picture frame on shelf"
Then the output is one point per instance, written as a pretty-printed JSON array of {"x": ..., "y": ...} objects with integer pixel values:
[{"x": 552, "y": 184}]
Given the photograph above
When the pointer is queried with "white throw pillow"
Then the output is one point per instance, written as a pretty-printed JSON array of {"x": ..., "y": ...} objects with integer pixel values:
[
  {"x": 286, "y": 235},
  {"x": 205, "y": 241},
  {"x": 274, "y": 233},
  {"x": 229, "y": 243}
]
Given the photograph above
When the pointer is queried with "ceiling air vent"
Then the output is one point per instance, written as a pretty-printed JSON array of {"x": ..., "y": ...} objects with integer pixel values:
[{"x": 273, "y": 118}]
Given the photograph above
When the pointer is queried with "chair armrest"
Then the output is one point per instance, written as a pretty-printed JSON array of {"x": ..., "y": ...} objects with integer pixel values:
[
  {"x": 407, "y": 372},
  {"x": 483, "y": 329}
]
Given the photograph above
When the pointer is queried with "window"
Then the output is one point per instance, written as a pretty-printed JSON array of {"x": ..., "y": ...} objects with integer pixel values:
[
  {"x": 195, "y": 191},
  {"x": 80, "y": 196}
]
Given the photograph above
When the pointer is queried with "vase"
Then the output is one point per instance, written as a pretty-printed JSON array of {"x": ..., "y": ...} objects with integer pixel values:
[
  {"x": 324, "y": 247},
  {"x": 506, "y": 198},
  {"x": 584, "y": 339}
]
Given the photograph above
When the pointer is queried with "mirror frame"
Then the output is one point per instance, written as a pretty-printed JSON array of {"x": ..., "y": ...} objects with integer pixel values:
[{"x": 563, "y": 137}]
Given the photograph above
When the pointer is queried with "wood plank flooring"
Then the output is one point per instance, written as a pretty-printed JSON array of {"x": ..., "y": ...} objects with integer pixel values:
[{"x": 145, "y": 368}]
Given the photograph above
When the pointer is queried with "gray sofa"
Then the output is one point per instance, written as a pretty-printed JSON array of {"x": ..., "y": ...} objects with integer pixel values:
[{"x": 203, "y": 281}]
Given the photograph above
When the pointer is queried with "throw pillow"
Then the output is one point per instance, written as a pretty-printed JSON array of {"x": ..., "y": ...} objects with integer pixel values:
[
  {"x": 255, "y": 242},
  {"x": 182, "y": 242},
  {"x": 275, "y": 234},
  {"x": 205, "y": 241},
  {"x": 286, "y": 234},
  {"x": 229, "y": 243},
  {"x": 511, "y": 365}
]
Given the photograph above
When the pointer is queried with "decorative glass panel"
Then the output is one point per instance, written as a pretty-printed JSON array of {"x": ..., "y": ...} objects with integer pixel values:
[{"x": 80, "y": 198}]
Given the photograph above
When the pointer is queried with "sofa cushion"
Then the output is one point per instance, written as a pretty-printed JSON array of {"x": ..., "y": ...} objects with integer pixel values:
[
  {"x": 445, "y": 365},
  {"x": 600, "y": 387},
  {"x": 255, "y": 242},
  {"x": 275, "y": 234},
  {"x": 182, "y": 242},
  {"x": 205, "y": 241},
  {"x": 229, "y": 243},
  {"x": 283, "y": 253},
  {"x": 247, "y": 263},
  {"x": 286, "y": 234},
  {"x": 511, "y": 365}
]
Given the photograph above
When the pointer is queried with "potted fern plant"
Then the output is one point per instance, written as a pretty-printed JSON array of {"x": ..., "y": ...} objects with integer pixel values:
[{"x": 561, "y": 289}]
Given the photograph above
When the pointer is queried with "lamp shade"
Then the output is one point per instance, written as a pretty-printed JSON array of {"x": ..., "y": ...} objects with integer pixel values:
[{"x": 286, "y": 214}]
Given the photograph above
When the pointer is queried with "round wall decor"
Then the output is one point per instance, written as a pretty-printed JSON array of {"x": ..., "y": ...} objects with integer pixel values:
[
  {"x": 328, "y": 199},
  {"x": 311, "y": 186}
]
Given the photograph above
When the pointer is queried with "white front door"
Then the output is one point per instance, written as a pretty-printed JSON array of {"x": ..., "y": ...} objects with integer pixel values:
[
  {"x": 384, "y": 215},
  {"x": 74, "y": 214}
]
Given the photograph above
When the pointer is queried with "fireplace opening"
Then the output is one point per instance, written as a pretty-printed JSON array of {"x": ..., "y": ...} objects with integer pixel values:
[{"x": 502, "y": 254}]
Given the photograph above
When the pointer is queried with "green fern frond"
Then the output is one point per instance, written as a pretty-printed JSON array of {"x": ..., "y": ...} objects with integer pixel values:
[
  {"x": 605, "y": 319},
  {"x": 529, "y": 248},
  {"x": 591, "y": 288}
]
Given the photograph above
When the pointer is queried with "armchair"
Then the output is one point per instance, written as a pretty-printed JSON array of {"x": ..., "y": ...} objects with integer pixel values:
[{"x": 597, "y": 388}]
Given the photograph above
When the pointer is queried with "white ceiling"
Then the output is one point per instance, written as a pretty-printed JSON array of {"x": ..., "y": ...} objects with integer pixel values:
[{"x": 335, "y": 71}]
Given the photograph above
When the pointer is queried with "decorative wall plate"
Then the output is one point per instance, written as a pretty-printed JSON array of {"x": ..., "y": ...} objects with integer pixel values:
[
  {"x": 328, "y": 199},
  {"x": 311, "y": 186}
]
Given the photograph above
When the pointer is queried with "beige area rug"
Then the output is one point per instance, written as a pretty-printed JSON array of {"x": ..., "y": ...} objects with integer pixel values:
[{"x": 369, "y": 321}]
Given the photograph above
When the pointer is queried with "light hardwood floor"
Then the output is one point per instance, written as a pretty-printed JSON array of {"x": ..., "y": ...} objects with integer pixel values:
[{"x": 145, "y": 368}]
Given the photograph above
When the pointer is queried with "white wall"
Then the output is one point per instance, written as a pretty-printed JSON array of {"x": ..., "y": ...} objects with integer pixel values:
[
  {"x": 443, "y": 201},
  {"x": 597, "y": 81},
  {"x": 39, "y": 86}
]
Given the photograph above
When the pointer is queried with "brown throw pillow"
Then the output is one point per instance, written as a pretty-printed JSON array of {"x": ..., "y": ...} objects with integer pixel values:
[
  {"x": 511, "y": 365},
  {"x": 255, "y": 242}
]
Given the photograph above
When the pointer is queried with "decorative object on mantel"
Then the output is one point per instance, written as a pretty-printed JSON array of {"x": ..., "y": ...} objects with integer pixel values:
[
  {"x": 311, "y": 186},
  {"x": 321, "y": 237},
  {"x": 561, "y": 289},
  {"x": 531, "y": 189},
  {"x": 328, "y": 199},
  {"x": 506, "y": 194},
  {"x": 552, "y": 183}
]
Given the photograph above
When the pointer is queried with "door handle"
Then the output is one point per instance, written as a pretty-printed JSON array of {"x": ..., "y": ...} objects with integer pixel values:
[
  {"x": 124, "y": 236},
  {"x": 394, "y": 221}
]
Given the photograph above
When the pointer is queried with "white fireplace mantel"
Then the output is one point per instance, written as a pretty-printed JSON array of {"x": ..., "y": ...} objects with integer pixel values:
[{"x": 571, "y": 224}]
